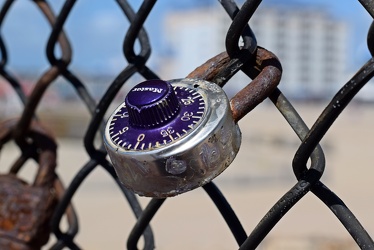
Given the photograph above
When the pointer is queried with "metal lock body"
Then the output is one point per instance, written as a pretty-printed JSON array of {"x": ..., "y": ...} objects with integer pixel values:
[
  {"x": 26, "y": 209},
  {"x": 171, "y": 137},
  {"x": 25, "y": 213}
]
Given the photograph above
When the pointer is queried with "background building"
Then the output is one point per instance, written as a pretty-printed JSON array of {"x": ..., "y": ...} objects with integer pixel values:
[
  {"x": 193, "y": 36},
  {"x": 311, "y": 44}
]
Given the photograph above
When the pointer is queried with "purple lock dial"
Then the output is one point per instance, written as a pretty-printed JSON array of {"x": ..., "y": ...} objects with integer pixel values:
[{"x": 154, "y": 114}]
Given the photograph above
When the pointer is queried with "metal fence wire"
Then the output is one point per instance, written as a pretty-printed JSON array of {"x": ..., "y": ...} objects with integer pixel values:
[{"x": 256, "y": 62}]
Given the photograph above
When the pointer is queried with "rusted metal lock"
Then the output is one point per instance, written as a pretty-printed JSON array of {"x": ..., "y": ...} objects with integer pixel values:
[
  {"x": 170, "y": 137},
  {"x": 25, "y": 209}
]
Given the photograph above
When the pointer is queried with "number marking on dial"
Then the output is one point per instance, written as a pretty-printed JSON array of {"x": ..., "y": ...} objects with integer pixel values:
[{"x": 191, "y": 113}]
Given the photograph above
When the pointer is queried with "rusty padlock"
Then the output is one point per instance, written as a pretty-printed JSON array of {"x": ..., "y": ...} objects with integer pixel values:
[
  {"x": 25, "y": 209},
  {"x": 169, "y": 137}
]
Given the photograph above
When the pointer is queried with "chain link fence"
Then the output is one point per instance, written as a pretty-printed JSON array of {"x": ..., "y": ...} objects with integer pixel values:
[{"x": 257, "y": 63}]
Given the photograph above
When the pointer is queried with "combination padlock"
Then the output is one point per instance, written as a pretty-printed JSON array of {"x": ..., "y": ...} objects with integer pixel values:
[
  {"x": 169, "y": 137},
  {"x": 26, "y": 209}
]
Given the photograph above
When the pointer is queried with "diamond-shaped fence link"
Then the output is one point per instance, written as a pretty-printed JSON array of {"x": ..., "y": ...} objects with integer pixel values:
[{"x": 256, "y": 62}]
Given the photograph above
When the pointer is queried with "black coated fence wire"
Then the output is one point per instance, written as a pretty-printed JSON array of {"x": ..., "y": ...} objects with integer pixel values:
[{"x": 242, "y": 57}]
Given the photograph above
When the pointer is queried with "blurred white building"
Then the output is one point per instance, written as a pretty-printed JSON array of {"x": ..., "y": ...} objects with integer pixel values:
[
  {"x": 192, "y": 37},
  {"x": 311, "y": 44}
]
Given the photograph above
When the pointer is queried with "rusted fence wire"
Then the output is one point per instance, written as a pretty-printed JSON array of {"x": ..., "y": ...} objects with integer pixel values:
[{"x": 257, "y": 63}]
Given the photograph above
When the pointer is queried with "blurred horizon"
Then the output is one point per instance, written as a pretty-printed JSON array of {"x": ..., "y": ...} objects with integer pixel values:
[{"x": 96, "y": 30}]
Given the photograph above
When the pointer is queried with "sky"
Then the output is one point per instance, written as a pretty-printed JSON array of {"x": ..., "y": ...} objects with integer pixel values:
[{"x": 96, "y": 30}]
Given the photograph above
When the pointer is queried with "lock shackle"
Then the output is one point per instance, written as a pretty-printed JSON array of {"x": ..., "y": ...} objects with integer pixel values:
[
  {"x": 266, "y": 69},
  {"x": 38, "y": 144}
]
